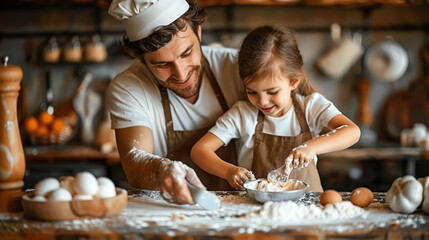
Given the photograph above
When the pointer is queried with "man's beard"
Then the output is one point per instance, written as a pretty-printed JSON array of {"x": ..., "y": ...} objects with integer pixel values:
[{"x": 190, "y": 90}]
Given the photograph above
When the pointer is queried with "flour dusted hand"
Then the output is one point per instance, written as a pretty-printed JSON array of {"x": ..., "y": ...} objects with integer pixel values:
[
  {"x": 300, "y": 156},
  {"x": 238, "y": 176},
  {"x": 173, "y": 176}
]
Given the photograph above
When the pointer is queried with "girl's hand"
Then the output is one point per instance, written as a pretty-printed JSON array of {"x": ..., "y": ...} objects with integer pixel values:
[
  {"x": 238, "y": 176},
  {"x": 301, "y": 156}
]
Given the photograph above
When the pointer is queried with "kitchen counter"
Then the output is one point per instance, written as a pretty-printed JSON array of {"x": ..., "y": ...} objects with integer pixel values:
[{"x": 147, "y": 216}]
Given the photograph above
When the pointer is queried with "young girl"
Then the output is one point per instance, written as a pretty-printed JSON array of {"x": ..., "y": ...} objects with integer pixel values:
[{"x": 283, "y": 114}]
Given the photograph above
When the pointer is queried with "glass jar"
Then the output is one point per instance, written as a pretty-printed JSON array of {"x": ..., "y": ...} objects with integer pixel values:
[
  {"x": 51, "y": 52},
  {"x": 95, "y": 50},
  {"x": 73, "y": 50}
]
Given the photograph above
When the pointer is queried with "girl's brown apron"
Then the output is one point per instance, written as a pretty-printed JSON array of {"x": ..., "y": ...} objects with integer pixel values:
[
  {"x": 179, "y": 143},
  {"x": 270, "y": 151}
]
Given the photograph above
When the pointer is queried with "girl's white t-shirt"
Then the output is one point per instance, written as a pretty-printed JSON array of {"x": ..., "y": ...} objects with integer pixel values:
[
  {"x": 240, "y": 123},
  {"x": 133, "y": 98}
]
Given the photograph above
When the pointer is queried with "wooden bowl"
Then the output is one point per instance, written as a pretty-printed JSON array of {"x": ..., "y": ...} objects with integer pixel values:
[{"x": 75, "y": 209}]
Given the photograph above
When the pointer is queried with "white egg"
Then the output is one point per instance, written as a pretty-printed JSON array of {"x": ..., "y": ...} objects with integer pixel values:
[
  {"x": 83, "y": 197},
  {"x": 105, "y": 191},
  {"x": 105, "y": 181},
  {"x": 85, "y": 184},
  {"x": 67, "y": 183},
  {"x": 59, "y": 195},
  {"x": 46, "y": 185},
  {"x": 39, "y": 199}
]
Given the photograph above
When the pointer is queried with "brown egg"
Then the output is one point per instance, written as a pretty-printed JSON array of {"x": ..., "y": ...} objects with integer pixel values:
[
  {"x": 330, "y": 197},
  {"x": 361, "y": 197}
]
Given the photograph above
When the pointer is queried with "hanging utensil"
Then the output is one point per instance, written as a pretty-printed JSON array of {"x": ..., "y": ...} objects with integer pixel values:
[
  {"x": 341, "y": 55},
  {"x": 409, "y": 106},
  {"x": 386, "y": 61},
  {"x": 46, "y": 105},
  {"x": 66, "y": 109},
  {"x": 364, "y": 115},
  {"x": 87, "y": 104}
]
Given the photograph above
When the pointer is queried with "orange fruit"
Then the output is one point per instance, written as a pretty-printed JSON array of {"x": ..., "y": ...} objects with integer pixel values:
[
  {"x": 57, "y": 125},
  {"x": 42, "y": 131},
  {"x": 45, "y": 118},
  {"x": 30, "y": 125}
]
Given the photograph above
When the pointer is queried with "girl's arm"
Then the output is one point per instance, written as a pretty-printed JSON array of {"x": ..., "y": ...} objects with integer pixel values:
[
  {"x": 203, "y": 153},
  {"x": 345, "y": 133}
]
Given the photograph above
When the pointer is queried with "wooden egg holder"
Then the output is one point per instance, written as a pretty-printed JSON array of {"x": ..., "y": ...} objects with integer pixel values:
[{"x": 75, "y": 209}]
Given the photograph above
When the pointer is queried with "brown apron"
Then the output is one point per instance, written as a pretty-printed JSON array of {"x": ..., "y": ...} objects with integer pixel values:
[
  {"x": 179, "y": 143},
  {"x": 270, "y": 151}
]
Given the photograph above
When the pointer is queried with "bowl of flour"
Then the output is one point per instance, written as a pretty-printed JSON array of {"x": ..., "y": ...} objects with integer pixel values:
[{"x": 264, "y": 191}]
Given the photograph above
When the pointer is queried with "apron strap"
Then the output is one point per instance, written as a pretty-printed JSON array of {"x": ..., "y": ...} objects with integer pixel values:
[
  {"x": 168, "y": 120},
  {"x": 215, "y": 86},
  {"x": 299, "y": 111},
  {"x": 258, "y": 130},
  {"x": 166, "y": 107}
]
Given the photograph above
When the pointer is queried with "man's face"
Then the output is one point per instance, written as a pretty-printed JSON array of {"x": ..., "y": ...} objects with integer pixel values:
[{"x": 178, "y": 65}]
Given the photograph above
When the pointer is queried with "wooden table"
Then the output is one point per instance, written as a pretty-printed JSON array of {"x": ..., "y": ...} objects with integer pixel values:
[{"x": 147, "y": 216}]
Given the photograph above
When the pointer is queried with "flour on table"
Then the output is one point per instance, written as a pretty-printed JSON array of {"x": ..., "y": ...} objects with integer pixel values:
[{"x": 292, "y": 211}]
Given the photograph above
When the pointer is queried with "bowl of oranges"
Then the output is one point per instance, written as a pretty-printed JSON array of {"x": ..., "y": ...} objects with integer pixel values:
[{"x": 46, "y": 128}]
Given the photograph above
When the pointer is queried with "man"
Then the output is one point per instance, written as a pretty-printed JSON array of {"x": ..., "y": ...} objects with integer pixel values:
[{"x": 170, "y": 96}]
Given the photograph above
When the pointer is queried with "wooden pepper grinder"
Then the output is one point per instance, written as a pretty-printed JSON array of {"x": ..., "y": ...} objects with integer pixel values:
[{"x": 12, "y": 160}]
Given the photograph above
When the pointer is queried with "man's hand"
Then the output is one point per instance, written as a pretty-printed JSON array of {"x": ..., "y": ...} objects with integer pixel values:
[{"x": 173, "y": 176}]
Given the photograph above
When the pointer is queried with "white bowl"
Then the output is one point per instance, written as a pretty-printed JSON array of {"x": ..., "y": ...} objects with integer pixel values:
[{"x": 264, "y": 196}]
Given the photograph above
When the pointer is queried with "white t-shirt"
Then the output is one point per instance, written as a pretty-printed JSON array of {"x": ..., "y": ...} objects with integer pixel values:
[
  {"x": 133, "y": 98},
  {"x": 241, "y": 119}
]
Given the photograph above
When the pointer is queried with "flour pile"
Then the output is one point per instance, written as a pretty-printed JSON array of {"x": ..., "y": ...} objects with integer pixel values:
[{"x": 292, "y": 211}]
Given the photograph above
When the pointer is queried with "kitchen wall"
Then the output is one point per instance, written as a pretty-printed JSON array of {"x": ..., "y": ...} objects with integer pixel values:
[{"x": 23, "y": 33}]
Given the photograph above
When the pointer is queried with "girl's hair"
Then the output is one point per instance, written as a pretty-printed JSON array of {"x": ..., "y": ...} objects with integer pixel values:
[
  {"x": 193, "y": 17},
  {"x": 268, "y": 51}
]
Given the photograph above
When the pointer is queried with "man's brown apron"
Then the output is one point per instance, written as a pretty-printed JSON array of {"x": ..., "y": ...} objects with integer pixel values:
[
  {"x": 179, "y": 143},
  {"x": 270, "y": 151}
]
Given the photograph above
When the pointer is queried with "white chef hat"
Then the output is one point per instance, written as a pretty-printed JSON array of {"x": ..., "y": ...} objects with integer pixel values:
[{"x": 142, "y": 17}]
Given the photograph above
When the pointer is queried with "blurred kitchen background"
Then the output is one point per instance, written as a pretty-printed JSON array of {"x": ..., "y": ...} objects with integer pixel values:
[{"x": 365, "y": 56}]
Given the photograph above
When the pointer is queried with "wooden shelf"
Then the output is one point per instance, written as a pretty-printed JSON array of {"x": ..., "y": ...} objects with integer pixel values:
[
  {"x": 68, "y": 153},
  {"x": 318, "y": 3}
]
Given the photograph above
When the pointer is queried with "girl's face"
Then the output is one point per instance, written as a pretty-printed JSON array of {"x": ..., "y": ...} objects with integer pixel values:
[{"x": 271, "y": 95}]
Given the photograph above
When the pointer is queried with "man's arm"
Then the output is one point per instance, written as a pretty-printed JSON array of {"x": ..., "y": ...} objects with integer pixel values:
[
  {"x": 148, "y": 171},
  {"x": 141, "y": 172}
]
